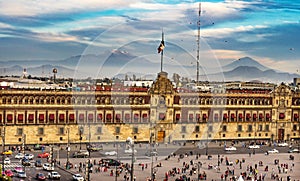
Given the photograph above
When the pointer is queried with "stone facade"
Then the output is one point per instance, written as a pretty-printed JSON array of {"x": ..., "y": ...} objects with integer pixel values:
[{"x": 160, "y": 113}]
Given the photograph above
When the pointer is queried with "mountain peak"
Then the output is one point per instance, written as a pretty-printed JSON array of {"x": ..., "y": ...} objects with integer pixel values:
[{"x": 245, "y": 61}]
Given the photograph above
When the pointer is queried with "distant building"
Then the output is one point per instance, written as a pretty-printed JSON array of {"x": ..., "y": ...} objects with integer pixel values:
[{"x": 151, "y": 111}]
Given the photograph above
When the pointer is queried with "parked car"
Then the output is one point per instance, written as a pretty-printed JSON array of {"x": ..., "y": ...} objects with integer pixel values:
[
  {"x": 110, "y": 153},
  {"x": 40, "y": 176},
  {"x": 29, "y": 156},
  {"x": 283, "y": 144},
  {"x": 78, "y": 177},
  {"x": 18, "y": 169},
  {"x": 43, "y": 155},
  {"x": 38, "y": 163},
  {"x": 295, "y": 150},
  {"x": 7, "y": 161},
  {"x": 48, "y": 167},
  {"x": 129, "y": 151},
  {"x": 110, "y": 162},
  {"x": 8, "y": 173},
  {"x": 253, "y": 146},
  {"x": 94, "y": 147},
  {"x": 22, "y": 174},
  {"x": 230, "y": 148},
  {"x": 273, "y": 151},
  {"x": 26, "y": 162},
  {"x": 151, "y": 153},
  {"x": 19, "y": 156},
  {"x": 54, "y": 175},
  {"x": 7, "y": 152},
  {"x": 81, "y": 154}
]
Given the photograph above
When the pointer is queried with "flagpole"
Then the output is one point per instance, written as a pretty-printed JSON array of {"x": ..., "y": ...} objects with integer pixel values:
[{"x": 162, "y": 52}]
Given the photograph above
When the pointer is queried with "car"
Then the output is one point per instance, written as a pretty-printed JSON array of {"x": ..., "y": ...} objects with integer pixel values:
[
  {"x": 94, "y": 147},
  {"x": 39, "y": 147},
  {"x": 81, "y": 154},
  {"x": 48, "y": 167},
  {"x": 78, "y": 177},
  {"x": 19, "y": 156},
  {"x": 151, "y": 153},
  {"x": 54, "y": 175},
  {"x": 253, "y": 146},
  {"x": 109, "y": 162},
  {"x": 230, "y": 148},
  {"x": 7, "y": 161},
  {"x": 26, "y": 162},
  {"x": 129, "y": 151},
  {"x": 40, "y": 176},
  {"x": 38, "y": 163},
  {"x": 7, "y": 152},
  {"x": 21, "y": 174},
  {"x": 43, "y": 155},
  {"x": 18, "y": 169},
  {"x": 29, "y": 156},
  {"x": 273, "y": 151},
  {"x": 295, "y": 150},
  {"x": 283, "y": 144},
  {"x": 110, "y": 153},
  {"x": 8, "y": 173}
]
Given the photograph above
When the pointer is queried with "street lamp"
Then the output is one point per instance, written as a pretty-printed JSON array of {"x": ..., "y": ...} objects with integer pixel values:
[
  {"x": 3, "y": 147},
  {"x": 199, "y": 165},
  {"x": 206, "y": 148},
  {"x": 68, "y": 149},
  {"x": 80, "y": 136},
  {"x": 130, "y": 141},
  {"x": 116, "y": 176}
]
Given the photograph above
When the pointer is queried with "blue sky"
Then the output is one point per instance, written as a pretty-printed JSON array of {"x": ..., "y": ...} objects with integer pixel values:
[{"x": 267, "y": 31}]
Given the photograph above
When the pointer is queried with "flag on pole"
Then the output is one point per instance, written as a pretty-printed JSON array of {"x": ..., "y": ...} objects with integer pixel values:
[{"x": 161, "y": 46}]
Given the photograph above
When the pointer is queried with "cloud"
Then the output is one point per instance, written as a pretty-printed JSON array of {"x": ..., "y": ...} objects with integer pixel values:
[{"x": 34, "y": 7}]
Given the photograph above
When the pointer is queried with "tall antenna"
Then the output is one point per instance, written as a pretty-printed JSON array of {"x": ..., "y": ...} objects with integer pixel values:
[{"x": 198, "y": 44}]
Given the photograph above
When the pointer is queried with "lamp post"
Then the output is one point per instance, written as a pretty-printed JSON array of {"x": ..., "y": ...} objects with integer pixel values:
[
  {"x": 80, "y": 136},
  {"x": 206, "y": 147},
  {"x": 3, "y": 147},
  {"x": 130, "y": 141},
  {"x": 116, "y": 176},
  {"x": 68, "y": 149},
  {"x": 218, "y": 160},
  {"x": 199, "y": 165}
]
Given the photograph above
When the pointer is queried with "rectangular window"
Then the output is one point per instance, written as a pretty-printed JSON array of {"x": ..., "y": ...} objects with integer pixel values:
[
  {"x": 197, "y": 129},
  {"x": 135, "y": 130},
  {"x": 240, "y": 128},
  {"x": 99, "y": 130},
  {"x": 183, "y": 129},
  {"x": 267, "y": 128},
  {"x": 250, "y": 128},
  {"x": 260, "y": 127},
  {"x": 118, "y": 130},
  {"x": 61, "y": 131},
  {"x": 281, "y": 116},
  {"x": 224, "y": 128},
  {"x": 19, "y": 131},
  {"x": 295, "y": 127},
  {"x": 210, "y": 128},
  {"x": 40, "y": 131}
]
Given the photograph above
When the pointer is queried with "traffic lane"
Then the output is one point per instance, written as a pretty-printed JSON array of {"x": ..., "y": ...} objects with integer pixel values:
[{"x": 32, "y": 171}]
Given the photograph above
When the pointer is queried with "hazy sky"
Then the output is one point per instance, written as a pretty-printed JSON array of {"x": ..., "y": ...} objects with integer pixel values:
[{"x": 267, "y": 31}]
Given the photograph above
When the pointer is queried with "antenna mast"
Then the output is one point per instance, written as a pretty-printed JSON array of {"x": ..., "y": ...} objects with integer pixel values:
[{"x": 198, "y": 44}]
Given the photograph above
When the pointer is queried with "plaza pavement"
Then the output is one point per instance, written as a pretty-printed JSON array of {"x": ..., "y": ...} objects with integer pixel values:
[{"x": 212, "y": 174}]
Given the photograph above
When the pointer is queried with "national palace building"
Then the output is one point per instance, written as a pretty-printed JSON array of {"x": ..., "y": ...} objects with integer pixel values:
[{"x": 160, "y": 112}]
